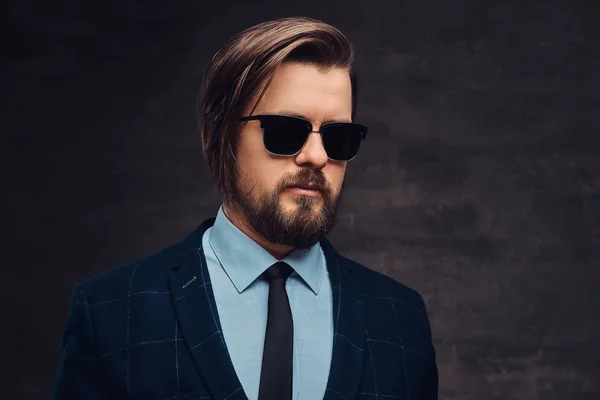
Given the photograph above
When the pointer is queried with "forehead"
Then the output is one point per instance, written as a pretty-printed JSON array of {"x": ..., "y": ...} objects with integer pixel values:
[{"x": 308, "y": 90}]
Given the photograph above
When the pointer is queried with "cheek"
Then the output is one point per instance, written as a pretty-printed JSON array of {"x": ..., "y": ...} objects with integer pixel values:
[
  {"x": 249, "y": 145},
  {"x": 259, "y": 172},
  {"x": 250, "y": 155},
  {"x": 335, "y": 172}
]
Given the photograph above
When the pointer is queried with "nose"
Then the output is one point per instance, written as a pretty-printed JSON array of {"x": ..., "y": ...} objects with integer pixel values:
[{"x": 313, "y": 153}]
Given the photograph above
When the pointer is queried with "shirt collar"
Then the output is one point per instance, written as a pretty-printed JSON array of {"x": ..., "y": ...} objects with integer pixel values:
[{"x": 244, "y": 260}]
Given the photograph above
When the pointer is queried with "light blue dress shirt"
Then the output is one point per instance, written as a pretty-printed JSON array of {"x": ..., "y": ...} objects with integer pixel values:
[{"x": 235, "y": 264}]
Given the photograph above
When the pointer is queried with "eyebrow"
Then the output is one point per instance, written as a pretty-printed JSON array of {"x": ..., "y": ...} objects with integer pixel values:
[{"x": 297, "y": 115}]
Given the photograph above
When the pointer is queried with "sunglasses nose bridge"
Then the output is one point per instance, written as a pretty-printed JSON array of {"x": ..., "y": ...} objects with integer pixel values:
[{"x": 310, "y": 127}]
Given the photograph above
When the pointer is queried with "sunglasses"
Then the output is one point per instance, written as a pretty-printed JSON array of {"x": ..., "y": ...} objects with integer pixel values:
[{"x": 286, "y": 135}]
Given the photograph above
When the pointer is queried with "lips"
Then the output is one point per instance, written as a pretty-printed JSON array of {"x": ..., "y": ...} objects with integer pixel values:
[
  {"x": 306, "y": 190},
  {"x": 306, "y": 187}
]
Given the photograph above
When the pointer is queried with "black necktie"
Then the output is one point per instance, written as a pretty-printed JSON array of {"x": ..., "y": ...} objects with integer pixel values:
[{"x": 276, "y": 373}]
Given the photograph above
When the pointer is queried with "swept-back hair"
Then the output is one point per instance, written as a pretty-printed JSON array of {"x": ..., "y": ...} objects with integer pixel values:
[{"x": 246, "y": 62}]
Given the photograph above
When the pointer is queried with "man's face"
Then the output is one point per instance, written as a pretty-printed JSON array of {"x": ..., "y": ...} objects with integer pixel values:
[{"x": 265, "y": 191}]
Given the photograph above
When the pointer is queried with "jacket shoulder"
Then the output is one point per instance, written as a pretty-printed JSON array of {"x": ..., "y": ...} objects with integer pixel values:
[
  {"x": 374, "y": 284},
  {"x": 144, "y": 275}
]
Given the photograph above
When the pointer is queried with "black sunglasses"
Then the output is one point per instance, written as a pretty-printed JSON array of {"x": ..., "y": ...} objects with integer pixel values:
[{"x": 285, "y": 135}]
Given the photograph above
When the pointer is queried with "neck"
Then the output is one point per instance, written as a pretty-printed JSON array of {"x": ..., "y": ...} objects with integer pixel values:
[{"x": 278, "y": 251}]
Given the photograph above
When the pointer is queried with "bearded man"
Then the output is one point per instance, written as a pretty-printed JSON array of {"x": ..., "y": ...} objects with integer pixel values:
[{"x": 256, "y": 303}]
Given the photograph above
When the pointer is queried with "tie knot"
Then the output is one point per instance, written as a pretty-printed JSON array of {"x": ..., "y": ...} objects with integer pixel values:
[{"x": 279, "y": 270}]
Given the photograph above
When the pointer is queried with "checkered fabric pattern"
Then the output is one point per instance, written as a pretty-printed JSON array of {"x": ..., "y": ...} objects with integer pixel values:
[{"x": 150, "y": 330}]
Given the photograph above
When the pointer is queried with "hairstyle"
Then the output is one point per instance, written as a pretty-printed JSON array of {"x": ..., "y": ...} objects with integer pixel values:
[{"x": 246, "y": 62}]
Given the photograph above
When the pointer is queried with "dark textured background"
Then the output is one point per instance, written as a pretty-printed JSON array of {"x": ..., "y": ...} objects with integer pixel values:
[{"x": 479, "y": 183}]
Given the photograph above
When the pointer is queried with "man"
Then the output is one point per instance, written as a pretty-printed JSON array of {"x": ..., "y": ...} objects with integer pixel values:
[{"x": 256, "y": 303}]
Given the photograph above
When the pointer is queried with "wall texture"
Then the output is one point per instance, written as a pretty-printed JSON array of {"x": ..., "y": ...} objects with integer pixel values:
[{"x": 479, "y": 183}]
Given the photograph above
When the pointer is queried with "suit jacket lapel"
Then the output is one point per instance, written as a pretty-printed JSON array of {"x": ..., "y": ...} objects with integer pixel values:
[
  {"x": 349, "y": 338},
  {"x": 196, "y": 312}
]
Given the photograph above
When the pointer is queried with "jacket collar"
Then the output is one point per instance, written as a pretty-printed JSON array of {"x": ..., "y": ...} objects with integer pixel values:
[{"x": 244, "y": 260}]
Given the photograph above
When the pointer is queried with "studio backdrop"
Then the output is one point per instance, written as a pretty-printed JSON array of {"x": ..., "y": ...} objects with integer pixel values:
[{"x": 478, "y": 185}]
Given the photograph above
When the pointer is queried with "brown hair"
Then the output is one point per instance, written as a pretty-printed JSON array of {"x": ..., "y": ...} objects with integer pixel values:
[{"x": 246, "y": 62}]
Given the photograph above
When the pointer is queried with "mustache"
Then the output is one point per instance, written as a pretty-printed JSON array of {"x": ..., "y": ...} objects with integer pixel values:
[{"x": 306, "y": 177}]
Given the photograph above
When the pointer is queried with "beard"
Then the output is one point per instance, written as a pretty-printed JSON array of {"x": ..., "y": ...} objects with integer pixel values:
[{"x": 301, "y": 227}]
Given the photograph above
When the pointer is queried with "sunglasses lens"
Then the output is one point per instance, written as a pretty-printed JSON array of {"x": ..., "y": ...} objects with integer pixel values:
[
  {"x": 342, "y": 140},
  {"x": 284, "y": 135}
]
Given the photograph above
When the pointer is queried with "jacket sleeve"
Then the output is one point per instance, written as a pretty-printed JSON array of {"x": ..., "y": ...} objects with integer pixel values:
[
  {"x": 430, "y": 387},
  {"x": 79, "y": 375},
  {"x": 430, "y": 383}
]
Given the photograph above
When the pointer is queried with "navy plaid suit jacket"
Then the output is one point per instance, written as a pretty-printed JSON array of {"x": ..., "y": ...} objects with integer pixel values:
[{"x": 150, "y": 330}]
